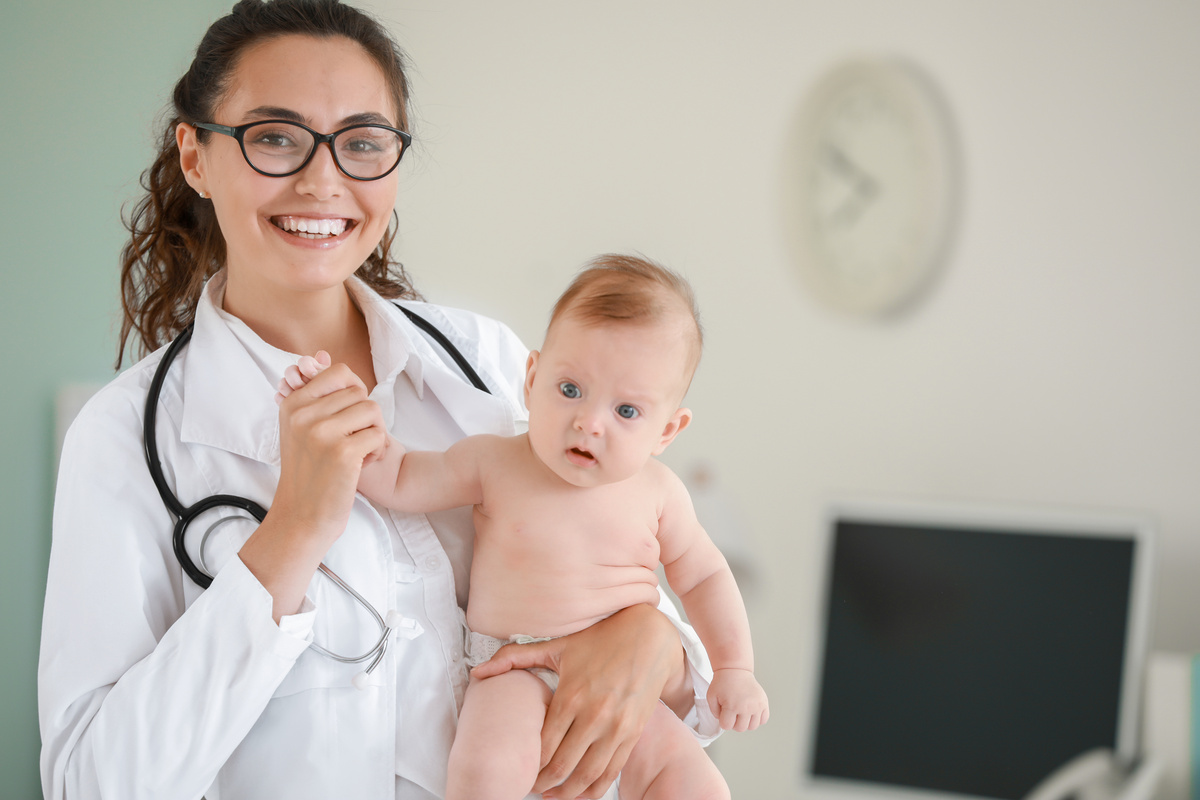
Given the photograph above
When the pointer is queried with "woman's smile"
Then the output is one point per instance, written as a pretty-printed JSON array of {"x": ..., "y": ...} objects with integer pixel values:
[
  {"x": 313, "y": 232},
  {"x": 313, "y": 227}
]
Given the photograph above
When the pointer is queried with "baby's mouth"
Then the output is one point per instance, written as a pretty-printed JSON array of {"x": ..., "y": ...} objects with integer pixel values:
[
  {"x": 583, "y": 454},
  {"x": 310, "y": 228}
]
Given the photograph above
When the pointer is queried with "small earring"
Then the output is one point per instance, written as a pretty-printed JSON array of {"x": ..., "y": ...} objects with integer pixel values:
[{"x": 203, "y": 196}]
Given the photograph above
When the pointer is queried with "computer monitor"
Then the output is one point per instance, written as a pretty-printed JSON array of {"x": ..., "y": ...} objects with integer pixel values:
[{"x": 969, "y": 652}]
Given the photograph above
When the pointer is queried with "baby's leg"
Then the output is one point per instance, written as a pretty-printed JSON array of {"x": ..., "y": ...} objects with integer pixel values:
[
  {"x": 498, "y": 748},
  {"x": 668, "y": 763}
]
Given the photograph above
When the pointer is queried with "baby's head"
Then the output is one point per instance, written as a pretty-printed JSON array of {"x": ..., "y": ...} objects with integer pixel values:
[
  {"x": 614, "y": 290},
  {"x": 604, "y": 393}
]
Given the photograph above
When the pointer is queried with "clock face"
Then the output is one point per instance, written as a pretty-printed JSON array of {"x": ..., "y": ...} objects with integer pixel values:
[{"x": 872, "y": 186}]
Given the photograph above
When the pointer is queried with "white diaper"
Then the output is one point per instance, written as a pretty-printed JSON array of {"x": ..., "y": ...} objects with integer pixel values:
[{"x": 481, "y": 647}]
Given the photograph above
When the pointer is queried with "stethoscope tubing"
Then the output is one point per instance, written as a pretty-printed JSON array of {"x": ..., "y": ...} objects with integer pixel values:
[{"x": 185, "y": 515}]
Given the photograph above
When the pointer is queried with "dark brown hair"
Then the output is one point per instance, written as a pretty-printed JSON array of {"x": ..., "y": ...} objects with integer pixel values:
[
  {"x": 175, "y": 242},
  {"x": 624, "y": 288}
]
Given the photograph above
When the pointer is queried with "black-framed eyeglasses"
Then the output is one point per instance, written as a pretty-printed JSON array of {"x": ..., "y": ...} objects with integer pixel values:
[{"x": 278, "y": 148}]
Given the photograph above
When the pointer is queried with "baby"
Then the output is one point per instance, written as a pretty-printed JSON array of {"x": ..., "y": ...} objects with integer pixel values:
[{"x": 573, "y": 518}]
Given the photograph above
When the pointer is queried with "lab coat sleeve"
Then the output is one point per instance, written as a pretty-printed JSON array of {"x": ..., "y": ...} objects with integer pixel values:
[{"x": 139, "y": 694}]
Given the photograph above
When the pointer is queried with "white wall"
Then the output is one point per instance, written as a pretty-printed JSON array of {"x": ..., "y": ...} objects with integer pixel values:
[{"x": 1056, "y": 361}]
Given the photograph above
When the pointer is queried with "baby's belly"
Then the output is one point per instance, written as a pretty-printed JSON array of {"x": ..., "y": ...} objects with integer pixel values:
[{"x": 551, "y": 599}]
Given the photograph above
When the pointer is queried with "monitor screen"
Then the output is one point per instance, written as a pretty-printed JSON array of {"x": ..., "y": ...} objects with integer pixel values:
[{"x": 972, "y": 654}]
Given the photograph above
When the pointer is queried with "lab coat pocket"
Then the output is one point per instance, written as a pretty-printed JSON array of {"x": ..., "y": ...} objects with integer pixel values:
[
  {"x": 313, "y": 670},
  {"x": 351, "y": 607},
  {"x": 346, "y": 628}
]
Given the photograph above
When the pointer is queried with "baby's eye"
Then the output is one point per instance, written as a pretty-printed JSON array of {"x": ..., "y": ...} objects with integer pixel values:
[
  {"x": 570, "y": 390},
  {"x": 627, "y": 411}
]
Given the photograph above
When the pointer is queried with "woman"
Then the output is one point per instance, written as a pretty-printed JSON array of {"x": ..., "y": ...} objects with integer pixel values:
[{"x": 271, "y": 239}]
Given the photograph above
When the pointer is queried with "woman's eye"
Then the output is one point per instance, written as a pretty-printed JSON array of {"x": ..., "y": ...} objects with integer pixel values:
[
  {"x": 627, "y": 411},
  {"x": 273, "y": 139},
  {"x": 570, "y": 390},
  {"x": 363, "y": 144}
]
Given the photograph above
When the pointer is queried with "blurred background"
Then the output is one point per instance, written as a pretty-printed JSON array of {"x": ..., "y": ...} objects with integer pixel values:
[{"x": 1055, "y": 360}]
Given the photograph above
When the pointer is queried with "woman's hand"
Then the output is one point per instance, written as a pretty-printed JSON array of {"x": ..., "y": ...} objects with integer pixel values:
[
  {"x": 611, "y": 676},
  {"x": 327, "y": 427}
]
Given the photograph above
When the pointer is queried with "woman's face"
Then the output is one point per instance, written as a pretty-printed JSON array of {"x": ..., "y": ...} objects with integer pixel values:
[{"x": 326, "y": 84}]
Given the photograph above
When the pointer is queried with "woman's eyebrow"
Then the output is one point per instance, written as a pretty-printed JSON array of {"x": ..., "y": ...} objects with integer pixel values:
[
  {"x": 278, "y": 112},
  {"x": 367, "y": 118}
]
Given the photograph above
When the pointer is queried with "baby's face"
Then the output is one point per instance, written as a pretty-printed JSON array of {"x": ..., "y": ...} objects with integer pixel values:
[{"x": 605, "y": 398}]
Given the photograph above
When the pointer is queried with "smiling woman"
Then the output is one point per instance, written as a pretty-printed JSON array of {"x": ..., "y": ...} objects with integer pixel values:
[
  {"x": 272, "y": 271},
  {"x": 178, "y": 239},
  {"x": 264, "y": 233}
]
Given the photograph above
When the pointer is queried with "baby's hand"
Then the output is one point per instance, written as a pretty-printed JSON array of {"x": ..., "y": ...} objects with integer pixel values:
[
  {"x": 737, "y": 700},
  {"x": 300, "y": 373},
  {"x": 303, "y": 371}
]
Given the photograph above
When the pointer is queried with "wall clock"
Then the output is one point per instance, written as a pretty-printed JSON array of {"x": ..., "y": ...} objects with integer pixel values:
[{"x": 872, "y": 185}]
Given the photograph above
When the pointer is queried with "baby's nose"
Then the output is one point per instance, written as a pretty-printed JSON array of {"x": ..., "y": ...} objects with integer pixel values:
[{"x": 589, "y": 421}]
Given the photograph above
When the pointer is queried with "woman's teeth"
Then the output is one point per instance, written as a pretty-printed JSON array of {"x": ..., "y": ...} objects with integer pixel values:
[{"x": 308, "y": 228}]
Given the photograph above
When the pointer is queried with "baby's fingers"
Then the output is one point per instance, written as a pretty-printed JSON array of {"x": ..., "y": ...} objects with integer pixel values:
[
  {"x": 758, "y": 719},
  {"x": 728, "y": 718},
  {"x": 282, "y": 391},
  {"x": 311, "y": 366},
  {"x": 292, "y": 377}
]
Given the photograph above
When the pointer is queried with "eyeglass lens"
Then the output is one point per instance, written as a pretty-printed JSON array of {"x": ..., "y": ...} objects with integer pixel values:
[{"x": 278, "y": 148}]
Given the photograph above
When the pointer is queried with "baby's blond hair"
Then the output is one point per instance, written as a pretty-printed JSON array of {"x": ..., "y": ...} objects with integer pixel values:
[{"x": 631, "y": 289}]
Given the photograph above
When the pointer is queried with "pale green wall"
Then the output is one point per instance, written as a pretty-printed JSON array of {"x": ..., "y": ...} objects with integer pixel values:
[{"x": 80, "y": 84}]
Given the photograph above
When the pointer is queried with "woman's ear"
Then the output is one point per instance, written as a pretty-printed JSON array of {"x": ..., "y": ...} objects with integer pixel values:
[
  {"x": 190, "y": 161},
  {"x": 530, "y": 368},
  {"x": 678, "y": 421}
]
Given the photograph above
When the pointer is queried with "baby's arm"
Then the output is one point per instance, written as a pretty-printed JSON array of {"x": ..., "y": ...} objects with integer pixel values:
[
  {"x": 699, "y": 576},
  {"x": 419, "y": 481}
]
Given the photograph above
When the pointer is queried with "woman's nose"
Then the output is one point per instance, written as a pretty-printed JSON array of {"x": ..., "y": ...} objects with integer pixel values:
[{"x": 321, "y": 177}]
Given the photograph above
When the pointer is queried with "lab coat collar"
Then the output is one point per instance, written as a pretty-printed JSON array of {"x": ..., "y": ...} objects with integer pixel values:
[
  {"x": 398, "y": 347},
  {"x": 230, "y": 398},
  {"x": 392, "y": 345},
  {"x": 400, "y": 351},
  {"x": 474, "y": 411}
]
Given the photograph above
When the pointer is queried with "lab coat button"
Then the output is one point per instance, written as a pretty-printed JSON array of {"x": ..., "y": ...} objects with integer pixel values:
[{"x": 432, "y": 562}]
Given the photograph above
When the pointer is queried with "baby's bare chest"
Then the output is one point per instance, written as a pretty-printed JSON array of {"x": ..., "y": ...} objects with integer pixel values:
[{"x": 606, "y": 526}]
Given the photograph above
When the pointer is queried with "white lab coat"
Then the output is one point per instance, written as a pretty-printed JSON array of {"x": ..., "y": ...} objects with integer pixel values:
[{"x": 150, "y": 687}]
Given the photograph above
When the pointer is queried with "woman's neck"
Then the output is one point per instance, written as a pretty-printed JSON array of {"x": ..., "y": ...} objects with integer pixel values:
[{"x": 305, "y": 322}]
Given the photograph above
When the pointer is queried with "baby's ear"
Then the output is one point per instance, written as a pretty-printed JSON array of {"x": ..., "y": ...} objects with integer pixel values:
[
  {"x": 530, "y": 368},
  {"x": 678, "y": 421}
]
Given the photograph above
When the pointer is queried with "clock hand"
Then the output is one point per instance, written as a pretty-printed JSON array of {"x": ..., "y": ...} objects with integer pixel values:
[
  {"x": 843, "y": 164},
  {"x": 864, "y": 186}
]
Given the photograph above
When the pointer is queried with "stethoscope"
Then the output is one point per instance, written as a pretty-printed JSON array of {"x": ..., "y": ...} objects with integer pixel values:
[{"x": 186, "y": 515}]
